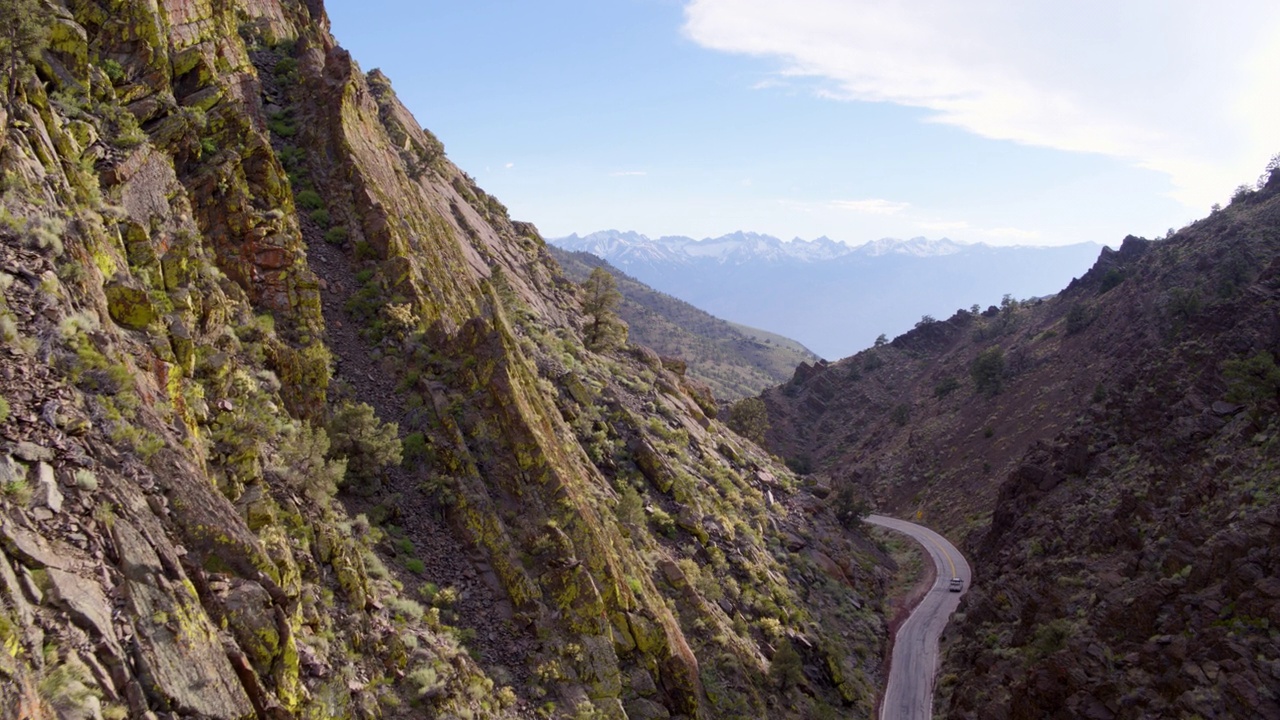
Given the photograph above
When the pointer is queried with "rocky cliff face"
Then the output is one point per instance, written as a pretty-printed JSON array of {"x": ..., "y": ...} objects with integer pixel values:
[
  {"x": 1110, "y": 455},
  {"x": 298, "y": 423}
]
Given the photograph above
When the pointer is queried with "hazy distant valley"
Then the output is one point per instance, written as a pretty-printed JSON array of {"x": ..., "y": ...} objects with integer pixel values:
[{"x": 834, "y": 298}]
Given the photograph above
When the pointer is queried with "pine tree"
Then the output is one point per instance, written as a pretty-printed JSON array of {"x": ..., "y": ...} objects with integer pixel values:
[
  {"x": 24, "y": 32},
  {"x": 605, "y": 330},
  {"x": 749, "y": 418}
]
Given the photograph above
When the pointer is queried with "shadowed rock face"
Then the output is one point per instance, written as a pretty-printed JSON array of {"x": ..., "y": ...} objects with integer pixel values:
[
  {"x": 1114, "y": 478},
  {"x": 298, "y": 423}
]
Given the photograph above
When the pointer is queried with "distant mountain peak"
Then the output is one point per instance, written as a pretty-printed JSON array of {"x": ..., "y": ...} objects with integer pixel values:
[
  {"x": 831, "y": 296},
  {"x": 623, "y": 248},
  {"x": 916, "y": 247}
]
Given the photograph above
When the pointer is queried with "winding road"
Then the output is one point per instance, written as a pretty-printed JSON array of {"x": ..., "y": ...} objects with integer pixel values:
[{"x": 908, "y": 694}]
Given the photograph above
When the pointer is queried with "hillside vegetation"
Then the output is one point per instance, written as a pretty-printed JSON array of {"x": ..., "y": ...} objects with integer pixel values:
[
  {"x": 1111, "y": 458},
  {"x": 734, "y": 361},
  {"x": 298, "y": 423}
]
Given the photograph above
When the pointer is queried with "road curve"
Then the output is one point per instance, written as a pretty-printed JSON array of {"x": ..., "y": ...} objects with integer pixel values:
[{"x": 908, "y": 694}]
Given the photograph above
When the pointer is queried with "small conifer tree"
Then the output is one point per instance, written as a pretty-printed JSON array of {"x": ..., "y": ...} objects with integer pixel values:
[
  {"x": 24, "y": 32},
  {"x": 605, "y": 330}
]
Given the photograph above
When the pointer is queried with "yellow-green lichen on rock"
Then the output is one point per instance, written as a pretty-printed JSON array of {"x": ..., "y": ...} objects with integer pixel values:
[{"x": 129, "y": 303}]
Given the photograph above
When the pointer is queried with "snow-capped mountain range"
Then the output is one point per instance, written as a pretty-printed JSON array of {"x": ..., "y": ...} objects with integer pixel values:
[
  {"x": 833, "y": 297},
  {"x": 625, "y": 248}
]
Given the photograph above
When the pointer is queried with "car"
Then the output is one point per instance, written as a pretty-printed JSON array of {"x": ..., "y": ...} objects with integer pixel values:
[{"x": 956, "y": 585}]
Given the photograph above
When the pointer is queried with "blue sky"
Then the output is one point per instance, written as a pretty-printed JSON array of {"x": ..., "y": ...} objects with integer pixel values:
[{"x": 994, "y": 121}]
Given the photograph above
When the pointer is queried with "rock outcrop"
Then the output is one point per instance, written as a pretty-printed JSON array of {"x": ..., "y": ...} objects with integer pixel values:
[{"x": 297, "y": 422}]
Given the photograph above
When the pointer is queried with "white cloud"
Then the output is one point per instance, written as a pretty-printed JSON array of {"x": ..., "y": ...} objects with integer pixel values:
[
  {"x": 628, "y": 173},
  {"x": 1183, "y": 87},
  {"x": 509, "y": 165},
  {"x": 873, "y": 206},
  {"x": 767, "y": 84}
]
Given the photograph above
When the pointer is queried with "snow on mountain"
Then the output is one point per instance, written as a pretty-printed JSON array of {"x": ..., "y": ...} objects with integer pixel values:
[
  {"x": 625, "y": 248},
  {"x": 916, "y": 247},
  {"x": 833, "y": 297}
]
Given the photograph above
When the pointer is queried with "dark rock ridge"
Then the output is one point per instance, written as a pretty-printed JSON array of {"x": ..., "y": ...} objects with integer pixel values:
[
  {"x": 1110, "y": 456},
  {"x": 296, "y": 422}
]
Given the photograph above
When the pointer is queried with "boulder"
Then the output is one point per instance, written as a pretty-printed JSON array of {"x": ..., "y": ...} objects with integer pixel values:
[
  {"x": 1222, "y": 408},
  {"x": 129, "y": 305},
  {"x": 47, "y": 493},
  {"x": 251, "y": 619},
  {"x": 32, "y": 452},
  {"x": 85, "y": 602},
  {"x": 652, "y": 465}
]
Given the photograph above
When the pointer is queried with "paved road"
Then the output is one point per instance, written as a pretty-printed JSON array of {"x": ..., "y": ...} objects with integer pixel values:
[{"x": 909, "y": 692}]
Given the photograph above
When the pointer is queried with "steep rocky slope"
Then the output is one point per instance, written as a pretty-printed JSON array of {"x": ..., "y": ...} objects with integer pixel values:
[
  {"x": 734, "y": 362},
  {"x": 1109, "y": 455},
  {"x": 298, "y": 423}
]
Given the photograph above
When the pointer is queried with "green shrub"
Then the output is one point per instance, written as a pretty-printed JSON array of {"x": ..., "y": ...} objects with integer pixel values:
[
  {"x": 1078, "y": 318},
  {"x": 402, "y": 607},
  {"x": 1254, "y": 381},
  {"x": 1242, "y": 193},
  {"x": 309, "y": 199},
  {"x": 281, "y": 124},
  {"x": 1182, "y": 305},
  {"x": 337, "y": 235},
  {"x": 415, "y": 449},
  {"x": 987, "y": 370},
  {"x": 424, "y": 681},
  {"x": 4, "y": 409},
  {"x": 128, "y": 133},
  {"x": 320, "y": 216},
  {"x": 301, "y": 462},
  {"x": 19, "y": 491},
  {"x": 113, "y": 70},
  {"x": 749, "y": 418},
  {"x": 945, "y": 387},
  {"x": 901, "y": 414},
  {"x": 1112, "y": 278},
  {"x": 1051, "y": 637},
  {"x": 368, "y": 443},
  {"x": 849, "y": 507},
  {"x": 68, "y": 687},
  {"x": 663, "y": 522},
  {"x": 630, "y": 507},
  {"x": 787, "y": 670},
  {"x": 286, "y": 69},
  {"x": 291, "y": 157}
]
